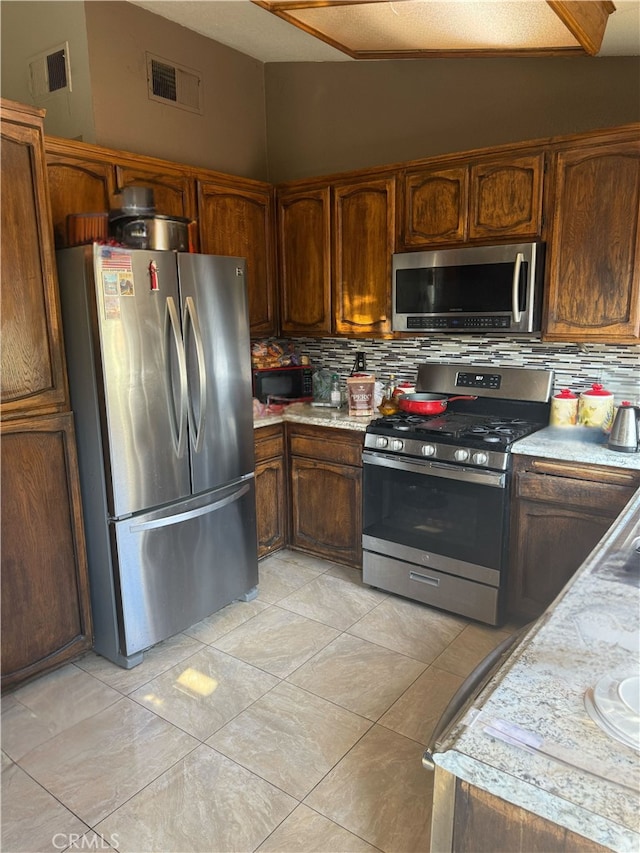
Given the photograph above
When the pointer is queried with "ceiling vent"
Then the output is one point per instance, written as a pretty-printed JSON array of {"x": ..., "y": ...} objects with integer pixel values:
[
  {"x": 49, "y": 72},
  {"x": 174, "y": 84}
]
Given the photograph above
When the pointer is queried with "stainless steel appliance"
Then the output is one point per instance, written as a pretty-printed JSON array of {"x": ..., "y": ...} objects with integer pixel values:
[
  {"x": 625, "y": 432},
  {"x": 471, "y": 289},
  {"x": 437, "y": 488},
  {"x": 159, "y": 368}
]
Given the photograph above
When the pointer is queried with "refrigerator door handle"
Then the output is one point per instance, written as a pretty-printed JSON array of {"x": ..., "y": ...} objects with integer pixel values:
[
  {"x": 191, "y": 326},
  {"x": 173, "y": 339},
  {"x": 192, "y": 513}
]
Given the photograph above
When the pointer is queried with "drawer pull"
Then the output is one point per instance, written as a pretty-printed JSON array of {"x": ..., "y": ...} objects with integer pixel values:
[{"x": 414, "y": 576}]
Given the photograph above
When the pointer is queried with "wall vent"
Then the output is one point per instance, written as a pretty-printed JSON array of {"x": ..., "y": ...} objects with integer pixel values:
[
  {"x": 174, "y": 84},
  {"x": 49, "y": 72}
]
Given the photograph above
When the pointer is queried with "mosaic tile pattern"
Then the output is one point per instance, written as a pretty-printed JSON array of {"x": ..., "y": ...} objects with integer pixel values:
[{"x": 576, "y": 366}]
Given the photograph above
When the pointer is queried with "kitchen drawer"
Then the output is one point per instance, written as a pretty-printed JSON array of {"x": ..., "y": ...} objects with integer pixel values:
[
  {"x": 610, "y": 499},
  {"x": 269, "y": 442},
  {"x": 326, "y": 444},
  {"x": 593, "y": 473}
]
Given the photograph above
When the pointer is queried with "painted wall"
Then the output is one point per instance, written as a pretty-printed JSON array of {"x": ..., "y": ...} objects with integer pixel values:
[
  {"x": 337, "y": 116},
  {"x": 29, "y": 29},
  {"x": 229, "y": 136},
  {"x": 109, "y": 104}
]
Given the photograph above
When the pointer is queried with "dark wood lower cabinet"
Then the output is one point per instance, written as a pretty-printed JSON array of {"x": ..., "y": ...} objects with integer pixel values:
[
  {"x": 560, "y": 511},
  {"x": 326, "y": 492},
  {"x": 467, "y": 819},
  {"x": 46, "y": 612},
  {"x": 271, "y": 489}
]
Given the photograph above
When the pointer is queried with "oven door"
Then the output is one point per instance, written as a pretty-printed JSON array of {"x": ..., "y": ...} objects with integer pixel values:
[{"x": 436, "y": 533}]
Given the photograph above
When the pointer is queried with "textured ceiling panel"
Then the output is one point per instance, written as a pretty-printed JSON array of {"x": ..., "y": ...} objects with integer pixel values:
[
  {"x": 242, "y": 25},
  {"x": 414, "y": 25}
]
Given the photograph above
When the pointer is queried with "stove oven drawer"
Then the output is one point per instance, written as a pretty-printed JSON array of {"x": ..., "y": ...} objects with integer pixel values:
[{"x": 455, "y": 594}]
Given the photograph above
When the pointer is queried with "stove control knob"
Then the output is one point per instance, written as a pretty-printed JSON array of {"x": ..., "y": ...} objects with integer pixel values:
[
  {"x": 461, "y": 455},
  {"x": 381, "y": 441},
  {"x": 480, "y": 458},
  {"x": 428, "y": 450},
  {"x": 397, "y": 444}
]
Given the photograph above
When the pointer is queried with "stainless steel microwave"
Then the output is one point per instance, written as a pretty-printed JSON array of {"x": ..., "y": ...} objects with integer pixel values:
[{"x": 469, "y": 289}]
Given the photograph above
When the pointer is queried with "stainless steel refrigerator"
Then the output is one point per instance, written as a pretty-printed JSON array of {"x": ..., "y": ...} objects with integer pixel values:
[{"x": 158, "y": 356}]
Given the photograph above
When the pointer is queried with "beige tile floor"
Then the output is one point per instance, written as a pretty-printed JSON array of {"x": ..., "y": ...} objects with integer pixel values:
[{"x": 293, "y": 723}]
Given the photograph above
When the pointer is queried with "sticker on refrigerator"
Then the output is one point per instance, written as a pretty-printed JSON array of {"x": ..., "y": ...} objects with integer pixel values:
[
  {"x": 111, "y": 307},
  {"x": 115, "y": 259},
  {"x": 125, "y": 283},
  {"x": 110, "y": 283}
]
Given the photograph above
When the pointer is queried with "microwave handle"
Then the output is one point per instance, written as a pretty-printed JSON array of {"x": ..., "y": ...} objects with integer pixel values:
[{"x": 515, "y": 305}]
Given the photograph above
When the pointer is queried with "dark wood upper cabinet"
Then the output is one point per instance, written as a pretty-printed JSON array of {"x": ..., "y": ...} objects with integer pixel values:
[
  {"x": 76, "y": 186},
  {"x": 481, "y": 199},
  {"x": 173, "y": 192},
  {"x": 33, "y": 373},
  {"x": 236, "y": 219},
  {"x": 304, "y": 255},
  {"x": 593, "y": 263},
  {"x": 364, "y": 217},
  {"x": 506, "y": 198},
  {"x": 435, "y": 206}
]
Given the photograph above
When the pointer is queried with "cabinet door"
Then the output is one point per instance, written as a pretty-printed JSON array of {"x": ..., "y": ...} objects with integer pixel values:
[
  {"x": 304, "y": 254},
  {"x": 435, "y": 206},
  {"x": 32, "y": 374},
  {"x": 326, "y": 512},
  {"x": 77, "y": 186},
  {"x": 270, "y": 505},
  {"x": 363, "y": 243},
  {"x": 238, "y": 221},
  {"x": 271, "y": 488},
  {"x": 174, "y": 193},
  {"x": 46, "y": 616},
  {"x": 593, "y": 262},
  {"x": 556, "y": 523},
  {"x": 506, "y": 198}
]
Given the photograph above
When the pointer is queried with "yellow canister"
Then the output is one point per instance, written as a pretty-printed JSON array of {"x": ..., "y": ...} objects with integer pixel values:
[
  {"x": 595, "y": 408},
  {"x": 564, "y": 409}
]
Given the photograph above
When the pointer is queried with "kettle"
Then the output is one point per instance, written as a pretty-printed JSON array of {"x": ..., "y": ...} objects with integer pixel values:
[{"x": 625, "y": 432}]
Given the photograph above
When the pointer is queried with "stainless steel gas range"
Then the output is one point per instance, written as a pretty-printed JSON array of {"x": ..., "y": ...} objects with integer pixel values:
[{"x": 437, "y": 488}]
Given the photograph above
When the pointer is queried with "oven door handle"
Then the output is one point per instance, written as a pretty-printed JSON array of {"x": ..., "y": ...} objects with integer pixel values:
[{"x": 436, "y": 469}]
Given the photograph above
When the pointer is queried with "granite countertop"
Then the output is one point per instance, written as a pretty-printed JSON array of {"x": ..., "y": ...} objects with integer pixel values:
[
  {"x": 575, "y": 444},
  {"x": 528, "y": 737},
  {"x": 305, "y": 413}
]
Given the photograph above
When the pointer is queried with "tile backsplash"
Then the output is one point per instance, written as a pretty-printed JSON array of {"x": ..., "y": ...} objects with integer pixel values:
[{"x": 576, "y": 366}]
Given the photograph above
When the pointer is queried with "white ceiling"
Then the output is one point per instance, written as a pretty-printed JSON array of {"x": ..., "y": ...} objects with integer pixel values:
[{"x": 254, "y": 31}]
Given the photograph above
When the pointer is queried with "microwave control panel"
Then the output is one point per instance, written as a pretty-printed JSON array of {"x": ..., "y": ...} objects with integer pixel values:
[{"x": 500, "y": 321}]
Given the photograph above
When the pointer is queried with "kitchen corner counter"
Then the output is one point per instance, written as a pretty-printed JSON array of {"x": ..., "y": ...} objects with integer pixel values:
[
  {"x": 528, "y": 738},
  {"x": 305, "y": 413},
  {"x": 575, "y": 444}
]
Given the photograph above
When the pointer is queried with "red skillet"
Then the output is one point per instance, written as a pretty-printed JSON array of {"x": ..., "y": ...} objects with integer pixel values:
[{"x": 427, "y": 404}]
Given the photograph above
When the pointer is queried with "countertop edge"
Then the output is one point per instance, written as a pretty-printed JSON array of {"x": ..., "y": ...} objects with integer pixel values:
[{"x": 602, "y": 829}]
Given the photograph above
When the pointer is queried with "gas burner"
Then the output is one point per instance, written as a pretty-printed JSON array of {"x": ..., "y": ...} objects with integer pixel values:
[{"x": 493, "y": 439}]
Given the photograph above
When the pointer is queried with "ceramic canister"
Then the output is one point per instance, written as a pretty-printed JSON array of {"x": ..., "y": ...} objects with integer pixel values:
[
  {"x": 595, "y": 408},
  {"x": 564, "y": 409}
]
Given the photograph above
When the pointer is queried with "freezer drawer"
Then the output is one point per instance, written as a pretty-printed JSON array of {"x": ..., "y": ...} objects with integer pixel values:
[{"x": 180, "y": 564}]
